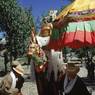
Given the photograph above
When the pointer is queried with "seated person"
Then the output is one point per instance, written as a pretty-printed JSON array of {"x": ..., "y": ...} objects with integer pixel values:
[{"x": 12, "y": 82}]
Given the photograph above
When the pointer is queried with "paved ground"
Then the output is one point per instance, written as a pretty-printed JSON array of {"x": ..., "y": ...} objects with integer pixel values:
[{"x": 29, "y": 87}]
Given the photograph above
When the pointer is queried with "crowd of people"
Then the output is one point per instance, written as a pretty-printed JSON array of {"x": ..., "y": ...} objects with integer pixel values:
[{"x": 68, "y": 82}]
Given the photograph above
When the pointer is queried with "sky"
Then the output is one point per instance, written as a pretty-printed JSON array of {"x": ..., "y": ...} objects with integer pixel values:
[
  {"x": 40, "y": 7},
  {"x": 2, "y": 34}
]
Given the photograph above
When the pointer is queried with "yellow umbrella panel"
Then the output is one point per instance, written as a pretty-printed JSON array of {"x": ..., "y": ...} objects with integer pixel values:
[{"x": 77, "y": 5}]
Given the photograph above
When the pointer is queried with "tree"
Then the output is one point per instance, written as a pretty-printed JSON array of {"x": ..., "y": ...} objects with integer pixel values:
[{"x": 17, "y": 23}]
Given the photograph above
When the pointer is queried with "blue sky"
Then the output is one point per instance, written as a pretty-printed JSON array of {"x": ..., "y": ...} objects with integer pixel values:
[
  {"x": 40, "y": 7},
  {"x": 2, "y": 34}
]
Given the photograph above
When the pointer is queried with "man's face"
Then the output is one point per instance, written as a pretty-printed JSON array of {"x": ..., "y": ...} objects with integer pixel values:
[{"x": 71, "y": 74}]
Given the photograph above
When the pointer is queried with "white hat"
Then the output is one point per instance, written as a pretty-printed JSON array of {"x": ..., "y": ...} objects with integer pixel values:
[
  {"x": 74, "y": 60},
  {"x": 19, "y": 69}
]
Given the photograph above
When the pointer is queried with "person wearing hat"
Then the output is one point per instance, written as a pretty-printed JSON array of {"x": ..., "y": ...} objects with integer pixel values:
[
  {"x": 71, "y": 83},
  {"x": 15, "y": 63},
  {"x": 13, "y": 81}
]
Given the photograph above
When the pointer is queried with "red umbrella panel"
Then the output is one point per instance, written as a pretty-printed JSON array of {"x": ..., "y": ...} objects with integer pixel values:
[
  {"x": 79, "y": 34},
  {"x": 75, "y": 35}
]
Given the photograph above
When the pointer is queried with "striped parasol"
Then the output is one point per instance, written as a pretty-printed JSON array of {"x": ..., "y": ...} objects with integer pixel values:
[{"x": 75, "y": 26}]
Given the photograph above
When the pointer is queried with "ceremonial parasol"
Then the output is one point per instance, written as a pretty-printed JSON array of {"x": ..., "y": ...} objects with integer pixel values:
[{"x": 74, "y": 26}]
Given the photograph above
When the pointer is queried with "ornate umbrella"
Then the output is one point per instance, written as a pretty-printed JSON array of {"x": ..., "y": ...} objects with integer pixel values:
[{"x": 75, "y": 26}]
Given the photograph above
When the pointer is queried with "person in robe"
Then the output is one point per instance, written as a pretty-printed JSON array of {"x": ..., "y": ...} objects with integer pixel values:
[{"x": 71, "y": 83}]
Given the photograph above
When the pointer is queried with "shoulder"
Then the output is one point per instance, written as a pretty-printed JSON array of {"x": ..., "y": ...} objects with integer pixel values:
[
  {"x": 80, "y": 81},
  {"x": 6, "y": 82},
  {"x": 7, "y": 78}
]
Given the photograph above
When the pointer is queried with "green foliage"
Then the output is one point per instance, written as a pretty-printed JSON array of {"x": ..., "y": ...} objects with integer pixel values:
[
  {"x": 85, "y": 52},
  {"x": 38, "y": 60},
  {"x": 17, "y": 23}
]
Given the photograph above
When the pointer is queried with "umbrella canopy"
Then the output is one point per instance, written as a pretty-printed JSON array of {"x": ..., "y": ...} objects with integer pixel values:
[
  {"x": 79, "y": 29},
  {"x": 79, "y": 34},
  {"x": 77, "y": 5}
]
